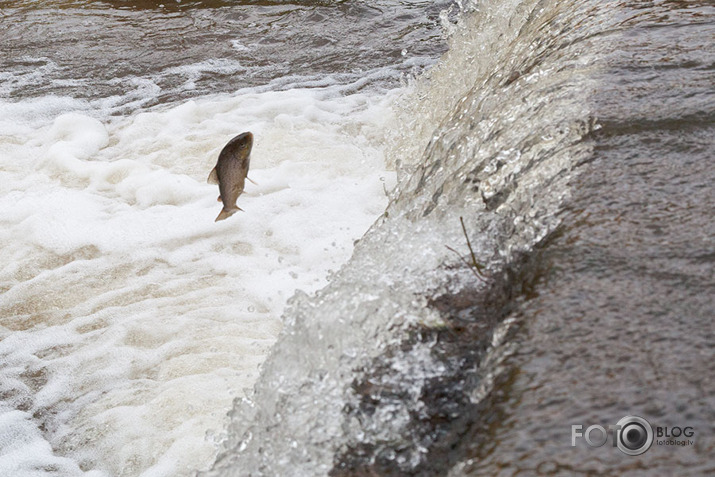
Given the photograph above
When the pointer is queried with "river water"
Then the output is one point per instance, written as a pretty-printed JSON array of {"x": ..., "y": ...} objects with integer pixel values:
[{"x": 474, "y": 225}]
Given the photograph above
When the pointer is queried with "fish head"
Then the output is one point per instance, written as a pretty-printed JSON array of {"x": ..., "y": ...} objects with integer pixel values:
[{"x": 244, "y": 143}]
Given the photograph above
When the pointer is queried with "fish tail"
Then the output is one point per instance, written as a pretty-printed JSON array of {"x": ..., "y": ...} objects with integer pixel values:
[{"x": 226, "y": 213}]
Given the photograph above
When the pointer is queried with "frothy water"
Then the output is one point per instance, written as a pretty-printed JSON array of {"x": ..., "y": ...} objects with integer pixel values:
[{"x": 131, "y": 319}]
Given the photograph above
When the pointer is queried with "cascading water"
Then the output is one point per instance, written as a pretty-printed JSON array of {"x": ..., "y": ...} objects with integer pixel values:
[{"x": 403, "y": 364}]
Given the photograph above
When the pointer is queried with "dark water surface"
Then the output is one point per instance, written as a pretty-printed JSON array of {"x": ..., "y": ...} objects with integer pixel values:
[
  {"x": 146, "y": 52},
  {"x": 622, "y": 323}
]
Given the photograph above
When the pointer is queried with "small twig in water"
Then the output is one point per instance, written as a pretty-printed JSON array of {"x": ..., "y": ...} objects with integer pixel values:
[
  {"x": 475, "y": 267},
  {"x": 469, "y": 244}
]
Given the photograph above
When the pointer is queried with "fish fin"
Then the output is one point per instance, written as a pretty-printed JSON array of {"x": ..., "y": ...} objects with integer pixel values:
[
  {"x": 251, "y": 181},
  {"x": 213, "y": 177},
  {"x": 226, "y": 213}
]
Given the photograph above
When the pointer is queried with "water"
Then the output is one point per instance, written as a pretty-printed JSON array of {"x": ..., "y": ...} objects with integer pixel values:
[
  {"x": 122, "y": 55},
  {"x": 573, "y": 139},
  {"x": 130, "y": 320}
]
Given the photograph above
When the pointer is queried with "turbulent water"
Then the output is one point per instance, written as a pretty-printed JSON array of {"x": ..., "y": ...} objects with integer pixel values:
[
  {"x": 542, "y": 255},
  {"x": 130, "y": 320}
]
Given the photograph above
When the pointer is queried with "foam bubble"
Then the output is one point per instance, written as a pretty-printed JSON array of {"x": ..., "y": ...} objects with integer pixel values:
[{"x": 25, "y": 453}]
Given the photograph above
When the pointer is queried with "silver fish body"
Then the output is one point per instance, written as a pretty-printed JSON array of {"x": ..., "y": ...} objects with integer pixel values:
[{"x": 231, "y": 171}]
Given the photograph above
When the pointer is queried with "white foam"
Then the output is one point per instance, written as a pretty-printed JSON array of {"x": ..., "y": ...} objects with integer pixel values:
[
  {"x": 130, "y": 320},
  {"x": 195, "y": 71},
  {"x": 31, "y": 74}
]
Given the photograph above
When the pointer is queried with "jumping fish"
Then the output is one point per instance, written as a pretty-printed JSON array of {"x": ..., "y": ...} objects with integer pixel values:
[{"x": 231, "y": 171}]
